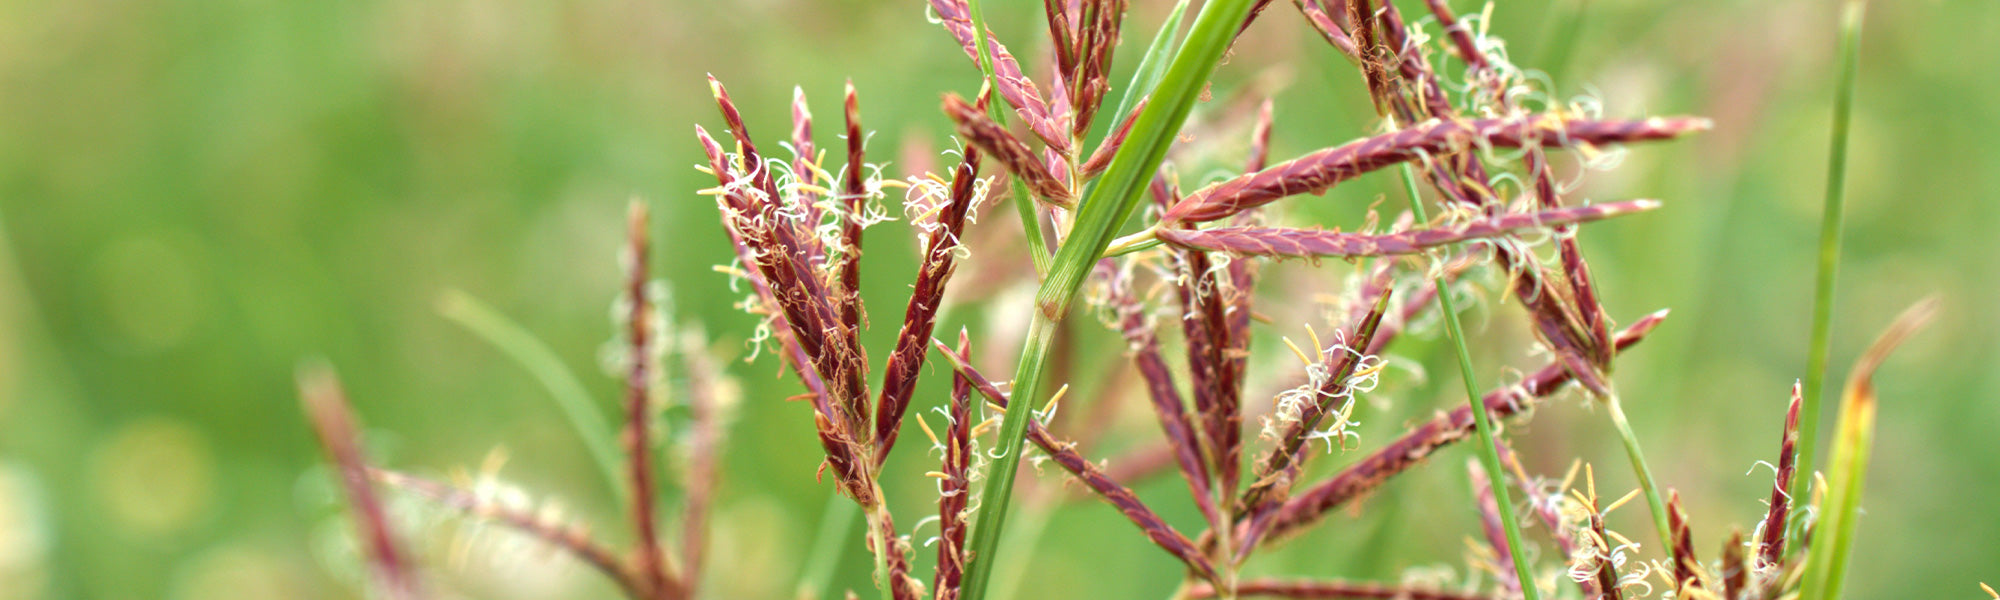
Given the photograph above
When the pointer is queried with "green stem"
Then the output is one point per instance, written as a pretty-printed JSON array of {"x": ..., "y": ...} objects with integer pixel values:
[
  {"x": 1639, "y": 468},
  {"x": 1489, "y": 455},
  {"x": 1829, "y": 245},
  {"x": 1101, "y": 212},
  {"x": 1024, "y": 204}
]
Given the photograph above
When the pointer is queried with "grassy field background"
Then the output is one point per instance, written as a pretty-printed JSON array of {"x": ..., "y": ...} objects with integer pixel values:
[{"x": 195, "y": 195}]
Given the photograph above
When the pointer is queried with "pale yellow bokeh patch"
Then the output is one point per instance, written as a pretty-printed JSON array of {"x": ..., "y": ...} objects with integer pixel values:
[{"x": 153, "y": 477}]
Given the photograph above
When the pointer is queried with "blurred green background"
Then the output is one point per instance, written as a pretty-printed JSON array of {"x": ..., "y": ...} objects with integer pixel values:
[{"x": 195, "y": 195}]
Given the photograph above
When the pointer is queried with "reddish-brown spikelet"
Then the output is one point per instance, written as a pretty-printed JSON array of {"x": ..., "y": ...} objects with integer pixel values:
[
  {"x": 1461, "y": 36},
  {"x": 1686, "y": 566},
  {"x": 574, "y": 539},
  {"x": 705, "y": 441},
  {"x": 991, "y": 138},
  {"x": 1281, "y": 465},
  {"x": 326, "y": 407},
  {"x": 1101, "y": 157},
  {"x": 1168, "y": 405},
  {"x": 1735, "y": 568},
  {"x": 1577, "y": 272},
  {"x": 1605, "y": 571},
  {"x": 1014, "y": 86},
  {"x": 1490, "y": 525},
  {"x": 854, "y": 193},
  {"x": 1332, "y": 590},
  {"x": 1118, "y": 496},
  {"x": 775, "y": 250},
  {"x": 638, "y": 406},
  {"x": 1098, "y": 37},
  {"x": 1210, "y": 341},
  {"x": 1771, "y": 545},
  {"x": 906, "y": 362},
  {"x": 1328, "y": 29},
  {"x": 1315, "y": 243},
  {"x": 767, "y": 303},
  {"x": 954, "y": 492},
  {"x": 1370, "y": 472},
  {"x": 1323, "y": 169},
  {"x": 1064, "y": 38},
  {"x": 803, "y": 165}
]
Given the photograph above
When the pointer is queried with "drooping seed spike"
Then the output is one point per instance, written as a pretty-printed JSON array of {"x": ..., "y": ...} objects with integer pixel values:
[
  {"x": 1317, "y": 171},
  {"x": 1314, "y": 243}
]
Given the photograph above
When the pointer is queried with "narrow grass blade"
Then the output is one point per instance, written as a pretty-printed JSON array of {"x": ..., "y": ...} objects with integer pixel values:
[
  {"x": 562, "y": 384},
  {"x": 1831, "y": 215},
  {"x": 1105, "y": 207},
  {"x": 1833, "y": 535}
]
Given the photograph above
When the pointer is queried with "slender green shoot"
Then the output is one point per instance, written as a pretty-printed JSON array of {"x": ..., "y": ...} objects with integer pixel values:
[
  {"x": 836, "y": 524},
  {"x": 1489, "y": 456},
  {"x": 1639, "y": 468},
  {"x": 1840, "y": 507},
  {"x": 1024, "y": 204},
  {"x": 1829, "y": 241},
  {"x": 542, "y": 363},
  {"x": 1101, "y": 212}
]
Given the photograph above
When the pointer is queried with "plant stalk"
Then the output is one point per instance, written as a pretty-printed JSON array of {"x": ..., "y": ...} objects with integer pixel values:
[
  {"x": 1831, "y": 216},
  {"x": 1489, "y": 456}
]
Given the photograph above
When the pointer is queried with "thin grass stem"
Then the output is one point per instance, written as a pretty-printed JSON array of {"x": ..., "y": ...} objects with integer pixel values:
[
  {"x": 1831, "y": 216},
  {"x": 1639, "y": 468},
  {"x": 1024, "y": 204},
  {"x": 1489, "y": 457},
  {"x": 1100, "y": 213}
]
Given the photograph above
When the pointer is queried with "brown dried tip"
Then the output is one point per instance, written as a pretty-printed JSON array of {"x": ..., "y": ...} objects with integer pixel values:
[
  {"x": 326, "y": 408},
  {"x": 1771, "y": 545},
  {"x": 1314, "y": 243},
  {"x": 991, "y": 138}
]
